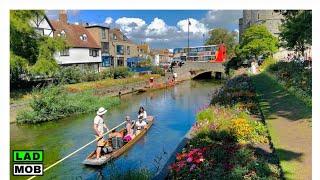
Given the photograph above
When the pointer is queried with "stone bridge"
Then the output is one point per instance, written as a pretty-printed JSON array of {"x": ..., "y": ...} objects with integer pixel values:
[{"x": 193, "y": 70}]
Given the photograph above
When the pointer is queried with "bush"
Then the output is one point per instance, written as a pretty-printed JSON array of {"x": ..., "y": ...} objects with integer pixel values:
[
  {"x": 238, "y": 90},
  {"x": 267, "y": 63},
  {"x": 69, "y": 75},
  {"x": 120, "y": 72},
  {"x": 157, "y": 70},
  {"x": 53, "y": 103},
  {"x": 90, "y": 75}
]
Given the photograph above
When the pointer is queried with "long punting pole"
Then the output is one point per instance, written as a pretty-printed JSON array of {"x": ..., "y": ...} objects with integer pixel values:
[{"x": 54, "y": 164}]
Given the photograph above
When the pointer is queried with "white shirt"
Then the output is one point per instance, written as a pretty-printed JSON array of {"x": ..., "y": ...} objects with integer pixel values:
[
  {"x": 175, "y": 75},
  {"x": 140, "y": 124},
  {"x": 144, "y": 115},
  {"x": 99, "y": 121}
]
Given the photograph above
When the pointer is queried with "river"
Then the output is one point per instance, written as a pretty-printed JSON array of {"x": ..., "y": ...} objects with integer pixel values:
[{"x": 174, "y": 110}]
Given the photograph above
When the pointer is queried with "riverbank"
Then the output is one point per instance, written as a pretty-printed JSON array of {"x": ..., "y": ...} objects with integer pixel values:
[
  {"x": 103, "y": 88},
  {"x": 229, "y": 139},
  {"x": 288, "y": 119}
]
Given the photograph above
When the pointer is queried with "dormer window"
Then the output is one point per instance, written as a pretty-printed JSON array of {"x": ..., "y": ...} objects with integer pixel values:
[
  {"x": 63, "y": 33},
  {"x": 125, "y": 38},
  {"x": 84, "y": 37}
]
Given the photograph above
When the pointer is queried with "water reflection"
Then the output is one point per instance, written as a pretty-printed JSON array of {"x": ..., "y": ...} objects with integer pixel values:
[{"x": 174, "y": 110}]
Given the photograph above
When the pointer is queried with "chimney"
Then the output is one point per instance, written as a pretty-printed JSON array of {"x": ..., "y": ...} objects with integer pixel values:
[{"x": 63, "y": 18}]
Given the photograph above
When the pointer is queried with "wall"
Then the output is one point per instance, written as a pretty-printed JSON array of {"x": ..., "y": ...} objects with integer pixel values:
[{"x": 77, "y": 55}]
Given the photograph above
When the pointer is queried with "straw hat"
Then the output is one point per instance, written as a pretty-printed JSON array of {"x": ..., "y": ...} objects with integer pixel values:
[{"x": 101, "y": 111}]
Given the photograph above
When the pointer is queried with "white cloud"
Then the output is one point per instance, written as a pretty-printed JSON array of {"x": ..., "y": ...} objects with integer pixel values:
[
  {"x": 108, "y": 20},
  {"x": 195, "y": 26},
  {"x": 130, "y": 24},
  {"x": 228, "y": 19},
  {"x": 156, "y": 27}
]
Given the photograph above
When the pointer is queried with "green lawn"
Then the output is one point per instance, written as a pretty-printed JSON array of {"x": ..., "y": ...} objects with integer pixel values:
[{"x": 288, "y": 119}]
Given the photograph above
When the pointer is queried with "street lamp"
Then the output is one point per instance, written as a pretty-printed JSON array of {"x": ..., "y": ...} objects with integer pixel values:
[{"x": 189, "y": 23}]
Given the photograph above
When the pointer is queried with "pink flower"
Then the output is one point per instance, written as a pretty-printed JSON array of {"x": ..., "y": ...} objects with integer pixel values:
[{"x": 189, "y": 159}]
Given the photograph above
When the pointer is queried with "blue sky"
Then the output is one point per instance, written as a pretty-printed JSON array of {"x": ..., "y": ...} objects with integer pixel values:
[{"x": 159, "y": 28}]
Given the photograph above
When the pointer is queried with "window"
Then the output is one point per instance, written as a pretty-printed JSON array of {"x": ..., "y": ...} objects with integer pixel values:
[
  {"x": 63, "y": 33},
  {"x": 120, "y": 61},
  {"x": 106, "y": 61},
  {"x": 104, "y": 47},
  {"x": 93, "y": 52},
  {"x": 64, "y": 52},
  {"x": 114, "y": 37},
  {"x": 128, "y": 50},
  {"x": 125, "y": 38},
  {"x": 84, "y": 37},
  {"x": 120, "y": 50},
  {"x": 103, "y": 34}
]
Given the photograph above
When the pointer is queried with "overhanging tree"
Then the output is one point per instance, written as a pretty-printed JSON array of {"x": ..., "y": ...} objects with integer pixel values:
[
  {"x": 256, "y": 41},
  {"x": 220, "y": 35},
  {"x": 29, "y": 51},
  {"x": 296, "y": 29}
]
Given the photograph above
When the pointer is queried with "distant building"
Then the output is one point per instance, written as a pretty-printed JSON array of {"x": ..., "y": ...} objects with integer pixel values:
[
  {"x": 121, "y": 48},
  {"x": 83, "y": 51},
  {"x": 198, "y": 53},
  {"x": 102, "y": 37},
  {"x": 144, "y": 51},
  {"x": 161, "y": 56}
]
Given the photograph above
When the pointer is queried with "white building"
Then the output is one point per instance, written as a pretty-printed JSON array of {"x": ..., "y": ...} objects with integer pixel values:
[
  {"x": 42, "y": 25},
  {"x": 83, "y": 51}
]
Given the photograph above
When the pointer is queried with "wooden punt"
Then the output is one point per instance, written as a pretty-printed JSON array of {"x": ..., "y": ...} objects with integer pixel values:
[{"x": 92, "y": 161}]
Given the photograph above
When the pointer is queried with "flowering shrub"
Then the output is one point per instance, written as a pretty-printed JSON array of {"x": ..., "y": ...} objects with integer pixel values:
[
  {"x": 238, "y": 90},
  {"x": 223, "y": 138},
  {"x": 241, "y": 129}
]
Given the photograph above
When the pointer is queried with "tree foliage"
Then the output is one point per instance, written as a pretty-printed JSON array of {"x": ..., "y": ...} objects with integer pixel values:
[
  {"x": 256, "y": 41},
  {"x": 31, "y": 52},
  {"x": 296, "y": 30},
  {"x": 220, "y": 35}
]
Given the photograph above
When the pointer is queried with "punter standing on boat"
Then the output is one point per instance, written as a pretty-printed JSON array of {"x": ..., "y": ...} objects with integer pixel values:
[{"x": 98, "y": 125}]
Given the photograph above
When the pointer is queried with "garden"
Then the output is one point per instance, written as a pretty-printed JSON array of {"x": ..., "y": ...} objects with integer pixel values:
[
  {"x": 294, "y": 77},
  {"x": 229, "y": 140}
]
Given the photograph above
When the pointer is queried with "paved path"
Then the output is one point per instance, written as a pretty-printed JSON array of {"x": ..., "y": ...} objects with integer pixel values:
[{"x": 289, "y": 123}]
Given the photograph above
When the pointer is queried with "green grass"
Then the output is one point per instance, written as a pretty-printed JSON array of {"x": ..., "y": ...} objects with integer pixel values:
[
  {"x": 53, "y": 103},
  {"x": 277, "y": 102}
]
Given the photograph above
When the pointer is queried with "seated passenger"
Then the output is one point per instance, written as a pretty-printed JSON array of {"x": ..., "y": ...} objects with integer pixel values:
[
  {"x": 116, "y": 139},
  {"x": 129, "y": 136},
  {"x": 140, "y": 125},
  {"x": 142, "y": 113}
]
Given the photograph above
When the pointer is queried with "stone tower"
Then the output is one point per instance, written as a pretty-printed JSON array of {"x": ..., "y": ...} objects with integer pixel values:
[{"x": 269, "y": 18}]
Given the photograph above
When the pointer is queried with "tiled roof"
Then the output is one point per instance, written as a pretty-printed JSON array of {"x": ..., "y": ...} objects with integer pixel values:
[{"x": 73, "y": 33}]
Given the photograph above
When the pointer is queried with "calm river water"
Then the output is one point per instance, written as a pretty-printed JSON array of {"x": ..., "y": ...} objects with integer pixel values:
[{"x": 174, "y": 110}]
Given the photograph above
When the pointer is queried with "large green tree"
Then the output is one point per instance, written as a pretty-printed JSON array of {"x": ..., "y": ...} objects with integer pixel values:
[
  {"x": 256, "y": 41},
  {"x": 220, "y": 35},
  {"x": 31, "y": 52},
  {"x": 296, "y": 29}
]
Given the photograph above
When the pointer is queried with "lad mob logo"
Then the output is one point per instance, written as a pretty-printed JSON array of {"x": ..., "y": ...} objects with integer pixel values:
[{"x": 27, "y": 162}]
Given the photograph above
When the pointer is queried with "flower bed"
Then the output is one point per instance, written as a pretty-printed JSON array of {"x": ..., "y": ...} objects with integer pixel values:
[{"x": 225, "y": 139}]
